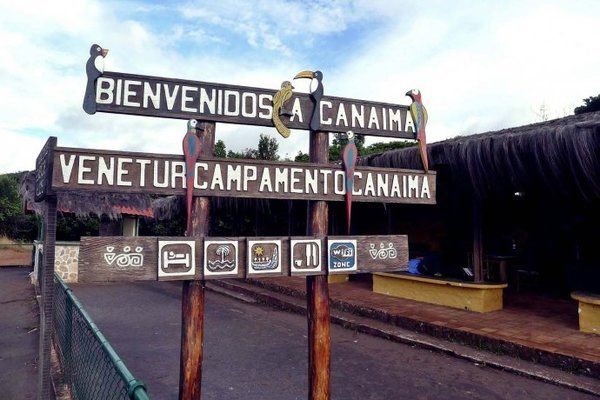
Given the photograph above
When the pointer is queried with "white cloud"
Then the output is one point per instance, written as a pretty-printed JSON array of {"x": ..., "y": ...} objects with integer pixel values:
[{"x": 480, "y": 66}]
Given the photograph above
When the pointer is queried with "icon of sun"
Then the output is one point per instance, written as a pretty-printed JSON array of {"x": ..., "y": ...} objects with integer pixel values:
[{"x": 259, "y": 251}]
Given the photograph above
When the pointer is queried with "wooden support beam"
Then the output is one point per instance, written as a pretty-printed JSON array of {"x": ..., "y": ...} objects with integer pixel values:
[
  {"x": 192, "y": 296},
  {"x": 47, "y": 289},
  {"x": 317, "y": 290},
  {"x": 477, "y": 241}
]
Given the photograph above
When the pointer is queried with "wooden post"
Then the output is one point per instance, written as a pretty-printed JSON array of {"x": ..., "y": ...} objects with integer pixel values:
[
  {"x": 317, "y": 290},
  {"x": 47, "y": 290},
  {"x": 477, "y": 241},
  {"x": 192, "y": 296}
]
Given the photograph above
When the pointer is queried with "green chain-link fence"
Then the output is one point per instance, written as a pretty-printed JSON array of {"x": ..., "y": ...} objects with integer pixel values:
[{"x": 92, "y": 369}]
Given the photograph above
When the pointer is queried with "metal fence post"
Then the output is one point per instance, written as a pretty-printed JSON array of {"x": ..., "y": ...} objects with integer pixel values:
[
  {"x": 67, "y": 356},
  {"x": 47, "y": 301}
]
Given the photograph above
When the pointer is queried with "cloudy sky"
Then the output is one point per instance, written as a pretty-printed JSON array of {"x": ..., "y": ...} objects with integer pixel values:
[{"x": 481, "y": 65}]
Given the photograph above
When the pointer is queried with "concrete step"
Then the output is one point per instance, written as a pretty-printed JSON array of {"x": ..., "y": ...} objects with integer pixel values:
[{"x": 294, "y": 301}]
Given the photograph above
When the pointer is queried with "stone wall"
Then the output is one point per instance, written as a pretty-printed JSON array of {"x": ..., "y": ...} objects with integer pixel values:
[{"x": 65, "y": 261}]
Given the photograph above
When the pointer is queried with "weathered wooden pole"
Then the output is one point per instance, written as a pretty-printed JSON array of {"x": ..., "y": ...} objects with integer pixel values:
[
  {"x": 47, "y": 290},
  {"x": 317, "y": 289},
  {"x": 192, "y": 296}
]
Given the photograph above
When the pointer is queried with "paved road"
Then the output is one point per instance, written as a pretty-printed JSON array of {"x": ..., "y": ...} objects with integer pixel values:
[
  {"x": 253, "y": 352},
  {"x": 18, "y": 335}
]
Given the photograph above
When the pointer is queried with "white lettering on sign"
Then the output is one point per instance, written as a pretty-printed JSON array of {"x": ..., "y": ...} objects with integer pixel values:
[
  {"x": 200, "y": 166},
  {"x": 143, "y": 164},
  {"x": 249, "y": 175},
  {"x": 231, "y": 177},
  {"x": 152, "y": 95},
  {"x": 239, "y": 103},
  {"x": 106, "y": 171},
  {"x": 265, "y": 181},
  {"x": 128, "y": 92},
  {"x": 323, "y": 120},
  {"x": 296, "y": 111},
  {"x": 82, "y": 169},
  {"x": 264, "y": 103},
  {"x": 186, "y": 99},
  {"x": 104, "y": 90},
  {"x": 122, "y": 171},
  {"x": 234, "y": 175},
  {"x": 67, "y": 167}
]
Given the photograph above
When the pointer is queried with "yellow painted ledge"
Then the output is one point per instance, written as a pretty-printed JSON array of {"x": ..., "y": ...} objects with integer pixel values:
[
  {"x": 589, "y": 311},
  {"x": 464, "y": 295},
  {"x": 337, "y": 278}
]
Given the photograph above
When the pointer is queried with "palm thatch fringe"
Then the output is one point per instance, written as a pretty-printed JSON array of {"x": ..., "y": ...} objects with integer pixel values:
[
  {"x": 85, "y": 203},
  {"x": 171, "y": 206},
  {"x": 559, "y": 157}
]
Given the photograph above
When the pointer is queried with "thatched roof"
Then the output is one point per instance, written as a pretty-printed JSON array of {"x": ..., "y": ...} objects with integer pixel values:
[
  {"x": 170, "y": 206},
  {"x": 88, "y": 203},
  {"x": 559, "y": 157}
]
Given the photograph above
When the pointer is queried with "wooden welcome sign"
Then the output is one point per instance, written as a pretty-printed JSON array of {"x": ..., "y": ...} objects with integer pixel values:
[
  {"x": 118, "y": 258},
  {"x": 197, "y": 256},
  {"x": 122, "y": 93},
  {"x": 114, "y": 171}
]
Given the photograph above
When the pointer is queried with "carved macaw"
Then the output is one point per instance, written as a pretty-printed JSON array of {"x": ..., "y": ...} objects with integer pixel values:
[
  {"x": 349, "y": 159},
  {"x": 191, "y": 151},
  {"x": 93, "y": 68},
  {"x": 316, "y": 93},
  {"x": 419, "y": 116},
  {"x": 279, "y": 100}
]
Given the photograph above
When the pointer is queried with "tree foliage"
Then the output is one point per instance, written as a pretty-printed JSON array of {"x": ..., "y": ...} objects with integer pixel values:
[
  {"x": 267, "y": 148},
  {"x": 336, "y": 149},
  {"x": 589, "y": 105},
  {"x": 380, "y": 147},
  {"x": 14, "y": 223},
  {"x": 220, "y": 149},
  {"x": 301, "y": 157}
]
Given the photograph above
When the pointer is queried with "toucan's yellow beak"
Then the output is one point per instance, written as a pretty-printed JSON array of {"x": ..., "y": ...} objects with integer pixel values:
[
  {"x": 104, "y": 52},
  {"x": 304, "y": 74}
]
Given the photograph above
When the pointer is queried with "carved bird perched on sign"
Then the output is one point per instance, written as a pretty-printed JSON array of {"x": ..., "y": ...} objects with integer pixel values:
[
  {"x": 419, "y": 116},
  {"x": 349, "y": 158},
  {"x": 316, "y": 93},
  {"x": 279, "y": 100},
  {"x": 191, "y": 151},
  {"x": 93, "y": 68}
]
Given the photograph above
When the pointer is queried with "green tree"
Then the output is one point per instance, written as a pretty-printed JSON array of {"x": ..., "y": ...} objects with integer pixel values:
[
  {"x": 14, "y": 222},
  {"x": 301, "y": 157},
  {"x": 589, "y": 105},
  {"x": 267, "y": 148},
  {"x": 380, "y": 147},
  {"x": 246, "y": 153},
  {"x": 220, "y": 149},
  {"x": 9, "y": 200},
  {"x": 340, "y": 141},
  {"x": 71, "y": 227}
]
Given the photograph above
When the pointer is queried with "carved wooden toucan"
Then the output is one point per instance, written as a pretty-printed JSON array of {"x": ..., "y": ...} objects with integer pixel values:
[
  {"x": 191, "y": 151},
  {"x": 316, "y": 93},
  {"x": 279, "y": 100},
  {"x": 349, "y": 159},
  {"x": 94, "y": 69},
  {"x": 419, "y": 116}
]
